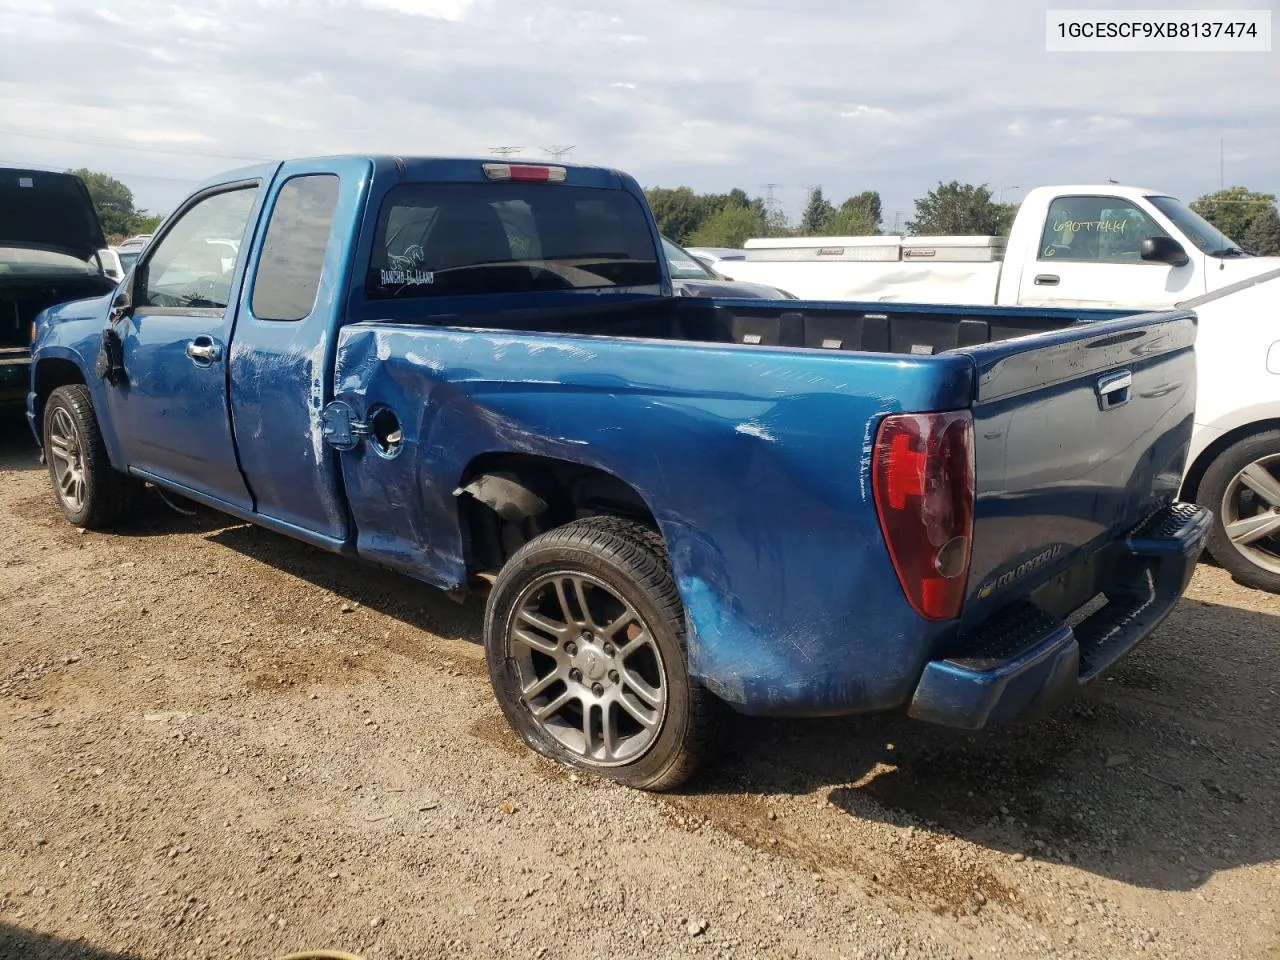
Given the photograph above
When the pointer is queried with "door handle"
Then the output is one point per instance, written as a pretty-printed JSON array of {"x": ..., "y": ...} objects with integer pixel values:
[
  {"x": 204, "y": 351},
  {"x": 1046, "y": 280},
  {"x": 1113, "y": 390}
]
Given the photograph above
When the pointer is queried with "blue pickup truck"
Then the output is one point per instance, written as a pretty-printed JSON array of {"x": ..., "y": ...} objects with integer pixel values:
[{"x": 477, "y": 374}]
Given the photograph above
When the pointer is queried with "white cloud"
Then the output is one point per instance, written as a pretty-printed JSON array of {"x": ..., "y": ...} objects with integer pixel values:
[
  {"x": 438, "y": 9},
  {"x": 864, "y": 112},
  {"x": 161, "y": 137},
  {"x": 713, "y": 94}
]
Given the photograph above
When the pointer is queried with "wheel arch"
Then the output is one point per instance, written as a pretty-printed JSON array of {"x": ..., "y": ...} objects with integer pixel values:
[
  {"x": 506, "y": 499},
  {"x": 50, "y": 374},
  {"x": 1204, "y": 459}
]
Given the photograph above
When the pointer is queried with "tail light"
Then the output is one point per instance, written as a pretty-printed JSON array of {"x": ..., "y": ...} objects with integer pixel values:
[
  {"x": 524, "y": 172},
  {"x": 923, "y": 482}
]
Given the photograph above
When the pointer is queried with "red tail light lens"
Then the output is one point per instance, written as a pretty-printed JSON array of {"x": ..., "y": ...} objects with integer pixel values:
[
  {"x": 923, "y": 482},
  {"x": 524, "y": 172}
]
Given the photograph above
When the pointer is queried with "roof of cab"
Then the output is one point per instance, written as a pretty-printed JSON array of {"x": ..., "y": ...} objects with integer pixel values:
[
  {"x": 1096, "y": 189},
  {"x": 407, "y": 164}
]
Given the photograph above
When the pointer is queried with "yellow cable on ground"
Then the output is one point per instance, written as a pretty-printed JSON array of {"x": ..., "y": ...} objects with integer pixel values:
[{"x": 321, "y": 955}]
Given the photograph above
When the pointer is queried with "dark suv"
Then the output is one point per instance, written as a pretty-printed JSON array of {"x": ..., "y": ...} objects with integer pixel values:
[{"x": 49, "y": 242}]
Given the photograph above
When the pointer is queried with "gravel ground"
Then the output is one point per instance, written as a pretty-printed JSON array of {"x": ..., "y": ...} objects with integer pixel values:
[{"x": 221, "y": 743}]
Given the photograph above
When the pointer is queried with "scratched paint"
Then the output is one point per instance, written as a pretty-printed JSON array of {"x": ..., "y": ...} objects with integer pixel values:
[
  {"x": 776, "y": 578},
  {"x": 755, "y": 461},
  {"x": 753, "y": 429}
]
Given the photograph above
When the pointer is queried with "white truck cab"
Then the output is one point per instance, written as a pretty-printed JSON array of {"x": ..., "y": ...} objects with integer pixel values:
[
  {"x": 1085, "y": 245},
  {"x": 1104, "y": 246}
]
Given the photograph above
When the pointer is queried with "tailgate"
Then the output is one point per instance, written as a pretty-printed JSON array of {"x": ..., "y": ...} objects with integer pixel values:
[{"x": 1079, "y": 435}]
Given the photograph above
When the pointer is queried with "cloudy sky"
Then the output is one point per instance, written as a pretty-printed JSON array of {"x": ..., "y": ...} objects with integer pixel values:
[{"x": 849, "y": 94}]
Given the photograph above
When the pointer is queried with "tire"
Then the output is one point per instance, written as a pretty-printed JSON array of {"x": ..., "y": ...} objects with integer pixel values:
[
  {"x": 91, "y": 493},
  {"x": 1242, "y": 488},
  {"x": 589, "y": 585}
]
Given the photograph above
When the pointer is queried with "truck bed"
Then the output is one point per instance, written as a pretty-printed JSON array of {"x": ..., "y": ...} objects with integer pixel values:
[
  {"x": 821, "y": 325},
  {"x": 705, "y": 411}
]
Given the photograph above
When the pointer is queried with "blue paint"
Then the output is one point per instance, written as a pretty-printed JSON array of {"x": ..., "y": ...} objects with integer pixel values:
[
  {"x": 280, "y": 377},
  {"x": 1028, "y": 663},
  {"x": 753, "y": 455}
]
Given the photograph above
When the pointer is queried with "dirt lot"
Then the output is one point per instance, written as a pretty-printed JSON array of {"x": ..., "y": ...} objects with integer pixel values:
[{"x": 221, "y": 743}]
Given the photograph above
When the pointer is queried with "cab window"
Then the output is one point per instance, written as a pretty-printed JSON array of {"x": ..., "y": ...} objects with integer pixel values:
[
  {"x": 192, "y": 264},
  {"x": 1099, "y": 229}
]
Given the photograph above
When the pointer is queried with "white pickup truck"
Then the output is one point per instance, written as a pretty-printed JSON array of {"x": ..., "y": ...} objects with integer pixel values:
[
  {"x": 1083, "y": 246},
  {"x": 1102, "y": 247}
]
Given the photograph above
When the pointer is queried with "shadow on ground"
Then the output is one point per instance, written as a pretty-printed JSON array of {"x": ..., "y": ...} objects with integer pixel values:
[
  {"x": 394, "y": 595},
  {"x": 18, "y": 450},
  {"x": 19, "y": 944},
  {"x": 1160, "y": 775}
]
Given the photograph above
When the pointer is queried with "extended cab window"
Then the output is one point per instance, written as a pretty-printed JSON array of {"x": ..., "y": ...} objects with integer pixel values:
[
  {"x": 1104, "y": 229},
  {"x": 464, "y": 238},
  {"x": 191, "y": 265},
  {"x": 288, "y": 274}
]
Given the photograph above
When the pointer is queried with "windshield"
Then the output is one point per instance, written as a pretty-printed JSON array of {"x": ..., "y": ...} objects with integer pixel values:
[
  {"x": 1208, "y": 238},
  {"x": 683, "y": 265},
  {"x": 21, "y": 261}
]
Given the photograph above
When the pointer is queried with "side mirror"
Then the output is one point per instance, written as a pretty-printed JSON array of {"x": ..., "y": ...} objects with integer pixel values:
[
  {"x": 122, "y": 305},
  {"x": 1164, "y": 250}
]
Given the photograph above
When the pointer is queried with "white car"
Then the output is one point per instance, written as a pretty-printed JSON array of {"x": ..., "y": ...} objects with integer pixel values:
[
  {"x": 710, "y": 256},
  {"x": 129, "y": 250},
  {"x": 111, "y": 263}
]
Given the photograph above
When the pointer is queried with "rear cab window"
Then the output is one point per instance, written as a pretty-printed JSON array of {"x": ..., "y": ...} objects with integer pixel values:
[{"x": 451, "y": 239}]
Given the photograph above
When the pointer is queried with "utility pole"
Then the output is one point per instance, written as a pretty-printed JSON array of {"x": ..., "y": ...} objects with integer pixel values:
[
  {"x": 770, "y": 205},
  {"x": 505, "y": 151},
  {"x": 557, "y": 152},
  {"x": 1003, "y": 189},
  {"x": 1222, "y": 166},
  {"x": 809, "y": 188}
]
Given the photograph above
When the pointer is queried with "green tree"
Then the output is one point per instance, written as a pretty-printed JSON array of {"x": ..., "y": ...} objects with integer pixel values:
[
  {"x": 730, "y": 226},
  {"x": 1263, "y": 235},
  {"x": 679, "y": 211},
  {"x": 816, "y": 213},
  {"x": 847, "y": 223},
  {"x": 960, "y": 209},
  {"x": 114, "y": 203},
  {"x": 1234, "y": 209},
  {"x": 859, "y": 216},
  {"x": 145, "y": 222},
  {"x": 867, "y": 204},
  {"x": 1007, "y": 212}
]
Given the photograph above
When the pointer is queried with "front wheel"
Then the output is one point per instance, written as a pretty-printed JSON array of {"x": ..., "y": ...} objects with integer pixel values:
[
  {"x": 584, "y": 636},
  {"x": 1242, "y": 488},
  {"x": 91, "y": 493}
]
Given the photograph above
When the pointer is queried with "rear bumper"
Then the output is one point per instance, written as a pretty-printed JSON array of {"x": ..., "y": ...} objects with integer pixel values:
[{"x": 1023, "y": 661}]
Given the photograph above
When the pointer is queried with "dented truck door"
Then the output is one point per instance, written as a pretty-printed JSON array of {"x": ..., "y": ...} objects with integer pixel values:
[{"x": 282, "y": 352}]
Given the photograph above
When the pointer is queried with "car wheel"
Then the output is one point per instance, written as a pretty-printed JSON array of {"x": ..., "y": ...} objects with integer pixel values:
[
  {"x": 90, "y": 492},
  {"x": 1242, "y": 488},
  {"x": 584, "y": 637}
]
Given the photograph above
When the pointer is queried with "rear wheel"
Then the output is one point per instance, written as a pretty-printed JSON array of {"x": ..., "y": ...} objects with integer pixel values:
[
  {"x": 584, "y": 636},
  {"x": 91, "y": 493},
  {"x": 1242, "y": 488}
]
